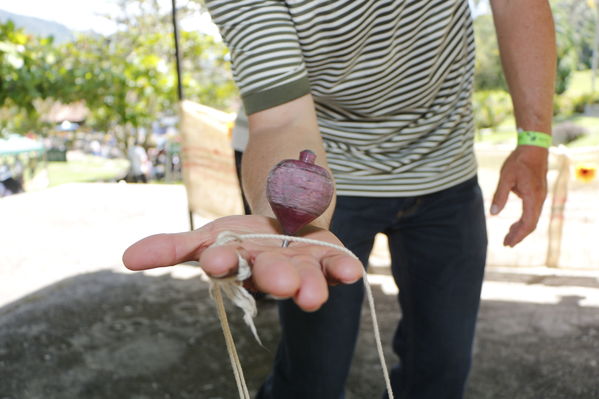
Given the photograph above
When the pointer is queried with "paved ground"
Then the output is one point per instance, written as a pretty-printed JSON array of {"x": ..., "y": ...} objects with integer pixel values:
[{"x": 74, "y": 324}]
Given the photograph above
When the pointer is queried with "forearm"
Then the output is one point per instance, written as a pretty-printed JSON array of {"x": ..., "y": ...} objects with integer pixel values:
[
  {"x": 526, "y": 37},
  {"x": 276, "y": 134}
]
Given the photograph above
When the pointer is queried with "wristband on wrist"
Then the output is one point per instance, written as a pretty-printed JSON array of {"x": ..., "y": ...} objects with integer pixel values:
[{"x": 538, "y": 139}]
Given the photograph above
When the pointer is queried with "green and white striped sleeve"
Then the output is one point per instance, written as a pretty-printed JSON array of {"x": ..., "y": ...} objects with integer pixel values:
[{"x": 267, "y": 61}]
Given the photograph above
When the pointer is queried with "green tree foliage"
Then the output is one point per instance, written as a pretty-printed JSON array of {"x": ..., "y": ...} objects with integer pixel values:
[
  {"x": 575, "y": 30},
  {"x": 28, "y": 71},
  {"x": 491, "y": 107},
  {"x": 127, "y": 80},
  {"x": 575, "y": 27},
  {"x": 206, "y": 73},
  {"x": 134, "y": 78},
  {"x": 488, "y": 72},
  {"x": 125, "y": 88}
]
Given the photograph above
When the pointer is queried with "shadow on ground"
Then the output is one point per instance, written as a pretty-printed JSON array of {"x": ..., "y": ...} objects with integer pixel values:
[{"x": 108, "y": 335}]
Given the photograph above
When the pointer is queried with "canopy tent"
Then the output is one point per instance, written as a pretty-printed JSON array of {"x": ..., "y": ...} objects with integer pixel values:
[
  {"x": 15, "y": 144},
  {"x": 19, "y": 157}
]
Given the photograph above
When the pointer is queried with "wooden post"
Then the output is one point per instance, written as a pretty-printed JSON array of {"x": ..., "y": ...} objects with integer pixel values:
[
  {"x": 178, "y": 65},
  {"x": 180, "y": 95},
  {"x": 558, "y": 204}
]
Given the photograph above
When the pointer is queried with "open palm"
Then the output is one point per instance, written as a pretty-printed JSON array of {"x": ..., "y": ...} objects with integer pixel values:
[{"x": 301, "y": 271}]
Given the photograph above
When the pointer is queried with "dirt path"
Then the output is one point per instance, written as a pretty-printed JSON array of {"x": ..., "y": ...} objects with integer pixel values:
[{"x": 74, "y": 324}]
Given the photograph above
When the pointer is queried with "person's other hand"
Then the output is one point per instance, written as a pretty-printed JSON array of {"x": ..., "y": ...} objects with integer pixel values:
[
  {"x": 524, "y": 172},
  {"x": 301, "y": 271}
]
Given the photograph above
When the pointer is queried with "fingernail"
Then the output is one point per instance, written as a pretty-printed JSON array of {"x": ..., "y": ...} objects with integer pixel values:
[{"x": 494, "y": 209}]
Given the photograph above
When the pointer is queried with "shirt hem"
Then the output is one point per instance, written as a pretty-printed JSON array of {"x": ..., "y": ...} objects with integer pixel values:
[
  {"x": 355, "y": 191},
  {"x": 259, "y": 101}
]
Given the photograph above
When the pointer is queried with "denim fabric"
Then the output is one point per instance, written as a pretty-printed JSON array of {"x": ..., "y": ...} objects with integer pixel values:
[{"x": 438, "y": 248}]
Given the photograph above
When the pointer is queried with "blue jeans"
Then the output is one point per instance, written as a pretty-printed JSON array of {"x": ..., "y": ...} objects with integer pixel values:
[{"x": 438, "y": 249}]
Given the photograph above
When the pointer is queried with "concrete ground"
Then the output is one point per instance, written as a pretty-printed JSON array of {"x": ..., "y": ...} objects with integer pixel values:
[{"x": 75, "y": 324}]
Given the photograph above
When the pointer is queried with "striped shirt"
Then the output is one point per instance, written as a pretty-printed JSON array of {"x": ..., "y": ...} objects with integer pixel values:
[{"x": 391, "y": 81}]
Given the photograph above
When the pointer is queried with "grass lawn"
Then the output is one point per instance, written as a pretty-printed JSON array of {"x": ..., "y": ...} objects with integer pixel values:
[
  {"x": 580, "y": 84},
  {"x": 86, "y": 168},
  {"x": 506, "y": 132}
]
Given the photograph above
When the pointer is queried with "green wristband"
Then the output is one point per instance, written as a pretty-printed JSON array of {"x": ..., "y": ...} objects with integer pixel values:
[{"x": 528, "y": 137}]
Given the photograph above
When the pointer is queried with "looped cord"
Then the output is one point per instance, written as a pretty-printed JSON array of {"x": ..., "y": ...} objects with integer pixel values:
[{"x": 233, "y": 288}]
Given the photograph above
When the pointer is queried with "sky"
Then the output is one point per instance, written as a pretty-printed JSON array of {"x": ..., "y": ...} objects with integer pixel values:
[
  {"x": 80, "y": 15},
  {"x": 84, "y": 15}
]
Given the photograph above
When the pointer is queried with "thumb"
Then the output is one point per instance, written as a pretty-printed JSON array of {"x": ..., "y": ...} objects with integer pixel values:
[{"x": 501, "y": 194}]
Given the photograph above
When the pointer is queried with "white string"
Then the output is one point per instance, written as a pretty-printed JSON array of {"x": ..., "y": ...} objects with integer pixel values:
[
  {"x": 233, "y": 357},
  {"x": 233, "y": 289}
]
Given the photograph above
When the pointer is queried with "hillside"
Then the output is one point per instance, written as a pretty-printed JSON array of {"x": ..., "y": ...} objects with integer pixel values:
[{"x": 39, "y": 27}]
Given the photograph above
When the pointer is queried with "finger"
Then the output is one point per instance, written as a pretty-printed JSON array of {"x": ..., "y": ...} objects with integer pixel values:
[
  {"x": 531, "y": 211},
  {"x": 342, "y": 268},
  {"x": 518, "y": 232},
  {"x": 273, "y": 274},
  {"x": 164, "y": 250},
  {"x": 510, "y": 238},
  {"x": 313, "y": 290},
  {"x": 501, "y": 195},
  {"x": 220, "y": 261}
]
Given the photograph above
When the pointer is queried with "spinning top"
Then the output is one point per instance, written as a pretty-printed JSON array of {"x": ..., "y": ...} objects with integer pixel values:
[{"x": 298, "y": 192}]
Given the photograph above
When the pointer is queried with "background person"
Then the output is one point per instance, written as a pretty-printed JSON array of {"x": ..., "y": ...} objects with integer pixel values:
[{"x": 139, "y": 163}]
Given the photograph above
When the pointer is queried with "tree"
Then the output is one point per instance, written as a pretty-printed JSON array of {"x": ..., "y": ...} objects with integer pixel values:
[
  {"x": 488, "y": 72},
  {"x": 205, "y": 66},
  {"x": 29, "y": 75},
  {"x": 207, "y": 76},
  {"x": 575, "y": 22},
  {"x": 574, "y": 34},
  {"x": 125, "y": 88},
  {"x": 127, "y": 79}
]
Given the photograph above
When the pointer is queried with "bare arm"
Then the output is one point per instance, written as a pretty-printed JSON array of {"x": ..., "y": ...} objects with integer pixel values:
[
  {"x": 300, "y": 272},
  {"x": 281, "y": 126},
  {"x": 280, "y": 133},
  {"x": 526, "y": 37}
]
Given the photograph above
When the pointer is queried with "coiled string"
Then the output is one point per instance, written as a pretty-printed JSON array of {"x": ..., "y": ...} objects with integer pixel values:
[{"x": 233, "y": 289}]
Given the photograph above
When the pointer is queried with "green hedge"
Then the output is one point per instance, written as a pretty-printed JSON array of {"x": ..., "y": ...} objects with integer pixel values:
[
  {"x": 567, "y": 105},
  {"x": 491, "y": 107}
]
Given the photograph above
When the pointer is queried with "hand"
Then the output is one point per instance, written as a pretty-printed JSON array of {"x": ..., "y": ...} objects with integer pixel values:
[
  {"x": 525, "y": 173},
  {"x": 300, "y": 271}
]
